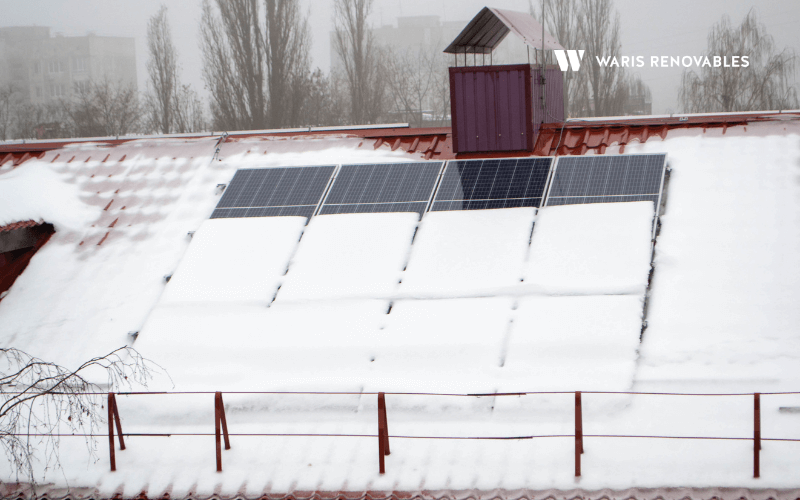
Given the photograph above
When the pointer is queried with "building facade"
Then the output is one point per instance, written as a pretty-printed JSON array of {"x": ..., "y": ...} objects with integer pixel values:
[{"x": 42, "y": 68}]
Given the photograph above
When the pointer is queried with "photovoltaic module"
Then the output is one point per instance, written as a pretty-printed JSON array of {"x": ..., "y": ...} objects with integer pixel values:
[
  {"x": 267, "y": 192},
  {"x": 607, "y": 179},
  {"x": 383, "y": 187},
  {"x": 493, "y": 183}
]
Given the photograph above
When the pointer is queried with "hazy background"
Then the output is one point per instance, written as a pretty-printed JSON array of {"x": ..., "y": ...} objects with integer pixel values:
[{"x": 648, "y": 27}]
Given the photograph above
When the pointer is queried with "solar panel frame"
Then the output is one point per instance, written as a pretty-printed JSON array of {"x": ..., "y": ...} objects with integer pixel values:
[
  {"x": 444, "y": 202},
  {"x": 605, "y": 197},
  {"x": 276, "y": 191},
  {"x": 344, "y": 203}
]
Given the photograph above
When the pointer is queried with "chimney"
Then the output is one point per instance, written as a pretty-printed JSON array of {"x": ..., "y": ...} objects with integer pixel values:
[{"x": 500, "y": 108}]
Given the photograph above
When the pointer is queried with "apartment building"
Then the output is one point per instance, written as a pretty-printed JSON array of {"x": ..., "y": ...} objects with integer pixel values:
[{"x": 42, "y": 67}]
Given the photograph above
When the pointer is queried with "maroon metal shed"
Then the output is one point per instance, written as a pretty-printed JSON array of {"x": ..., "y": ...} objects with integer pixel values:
[
  {"x": 491, "y": 108},
  {"x": 500, "y": 108}
]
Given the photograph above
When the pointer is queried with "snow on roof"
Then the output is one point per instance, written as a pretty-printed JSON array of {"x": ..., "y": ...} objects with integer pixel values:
[{"x": 463, "y": 302}]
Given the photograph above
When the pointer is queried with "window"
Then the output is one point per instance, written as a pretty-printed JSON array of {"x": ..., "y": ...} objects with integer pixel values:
[
  {"x": 79, "y": 64},
  {"x": 56, "y": 90},
  {"x": 82, "y": 86},
  {"x": 37, "y": 68},
  {"x": 38, "y": 91},
  {"x": 55, "y": 67}
]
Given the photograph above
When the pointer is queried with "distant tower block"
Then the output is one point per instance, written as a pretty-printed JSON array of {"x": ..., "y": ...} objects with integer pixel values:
[{"x": 500, "y": 108}]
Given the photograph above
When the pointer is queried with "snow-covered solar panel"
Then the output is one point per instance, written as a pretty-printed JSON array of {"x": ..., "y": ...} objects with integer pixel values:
[
  {"x": 607, "y": 179},
  {"x": 495, "y": 183},
  {"x": 383, "y": 187},
  {"x": 265, "y": 192}
]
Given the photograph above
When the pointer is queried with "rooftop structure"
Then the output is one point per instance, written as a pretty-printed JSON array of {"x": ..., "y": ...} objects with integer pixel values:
[{"x": 492, "y": 318}]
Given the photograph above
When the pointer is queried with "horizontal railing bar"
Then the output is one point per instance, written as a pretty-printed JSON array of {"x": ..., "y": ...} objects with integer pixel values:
[
  {"x": 499, "y": 438},
  {"x": 345, "y": 393}
]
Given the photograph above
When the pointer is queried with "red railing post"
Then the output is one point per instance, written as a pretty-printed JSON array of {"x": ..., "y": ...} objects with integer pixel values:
[
  {"x": 113, "y": 415},
  {"x": 219, "y": 420},
  {"x": 383, "y": 433},
  {"x": 224, "y": 422},
  {"x": 112, "y": 457},
  {"x": 578, "y": 433},
  {"x": 757, "y": 435},
  {"x": 382, "y": 415},
  {"x": 119, "y": 424}
]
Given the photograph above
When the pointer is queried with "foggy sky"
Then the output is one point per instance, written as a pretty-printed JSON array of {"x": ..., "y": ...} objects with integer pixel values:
[{"x": 648, "y": 27}]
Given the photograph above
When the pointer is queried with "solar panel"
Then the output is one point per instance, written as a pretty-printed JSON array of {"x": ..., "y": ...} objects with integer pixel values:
[
  {"x": 606, "y": 179},
  {"x": 496, "y": 183},
  {"x": 268, "y": 192},
  {"x": 383, "y": 187}
]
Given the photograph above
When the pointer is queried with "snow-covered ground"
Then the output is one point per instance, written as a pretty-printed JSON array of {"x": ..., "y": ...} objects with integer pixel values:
[{"x": 482, "y": 301}]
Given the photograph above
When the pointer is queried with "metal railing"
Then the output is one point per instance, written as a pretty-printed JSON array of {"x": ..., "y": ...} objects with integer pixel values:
[{"x": 221, "y": 432}]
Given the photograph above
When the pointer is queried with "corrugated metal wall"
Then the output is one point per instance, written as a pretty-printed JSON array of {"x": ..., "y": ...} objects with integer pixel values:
[
  {"x": 554, "y": 97},
  {"x": 491, "y": 108}
]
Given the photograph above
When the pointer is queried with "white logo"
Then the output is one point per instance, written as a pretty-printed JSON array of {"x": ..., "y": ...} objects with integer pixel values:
[{"x": 574, "y": 61}]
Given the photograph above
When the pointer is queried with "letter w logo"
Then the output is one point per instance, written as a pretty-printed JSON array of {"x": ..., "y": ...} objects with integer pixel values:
[{"x": 574, "y": 61}]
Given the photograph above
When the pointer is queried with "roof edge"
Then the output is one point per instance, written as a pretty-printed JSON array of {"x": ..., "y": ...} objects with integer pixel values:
[{"x": 664, "y": 493}]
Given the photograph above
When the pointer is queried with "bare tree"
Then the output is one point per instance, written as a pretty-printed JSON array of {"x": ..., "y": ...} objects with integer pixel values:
[
  {"x": 188, "y": 114},
  {"x": 323, "y": 101},
  {"x": 232, "y": 43},
  {"x": 288, "y": 40},
  {"x": 639, "y": 98},
  {"x": 162, "y": 66},
  {"x": 599, "y": 23},
  {"x": 7, "y": 92},
  {"x": 354, "y": 44},
  {"x": 417, "y": 84},
  {"x": 562, "y": 19},
  {"x": 40, "y": 400},
  {"x": 103, "y": 109},
  {"x": 39, "y": 121},
  {"x": 768, "y": 82}
]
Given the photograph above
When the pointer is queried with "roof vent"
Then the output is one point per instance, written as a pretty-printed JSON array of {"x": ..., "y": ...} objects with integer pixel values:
[{"x": 500, "y": 108}]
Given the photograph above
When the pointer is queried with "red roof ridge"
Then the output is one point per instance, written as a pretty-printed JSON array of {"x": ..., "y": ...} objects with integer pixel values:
[{"x": 20, "y": 225}]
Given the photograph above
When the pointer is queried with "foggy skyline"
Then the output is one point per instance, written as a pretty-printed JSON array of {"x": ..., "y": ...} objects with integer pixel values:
[{"x": 647, "y": 28}]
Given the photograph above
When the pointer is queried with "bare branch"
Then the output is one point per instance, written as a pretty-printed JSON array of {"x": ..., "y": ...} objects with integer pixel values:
[
  {"x": 39, "y": 398},
  {"x": 768, "y": 82}
]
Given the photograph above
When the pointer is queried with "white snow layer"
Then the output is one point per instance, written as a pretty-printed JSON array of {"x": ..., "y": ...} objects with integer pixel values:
[
  {"x": 604, "y": 249},
  {"x": 39, "y": 193},
  {"x": 468, "y": 253},
  {"x": 721, "y": 318},
  {"x": 353, "y": 255},
  {"x": 235, "y": 260}
]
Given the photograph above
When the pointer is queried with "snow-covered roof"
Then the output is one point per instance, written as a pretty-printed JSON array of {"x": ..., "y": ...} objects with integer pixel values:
[{"x": 467, "y": 302}]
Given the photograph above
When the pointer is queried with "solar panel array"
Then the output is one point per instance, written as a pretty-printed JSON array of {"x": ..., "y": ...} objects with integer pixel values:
[
  {"x": 383, "y": 187},
  {"x": 607, "y": 179},
  {"x": 274, "y": 192},
  {"x": 464, "y": 185},
  {"x": 496, "y": 183}
]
